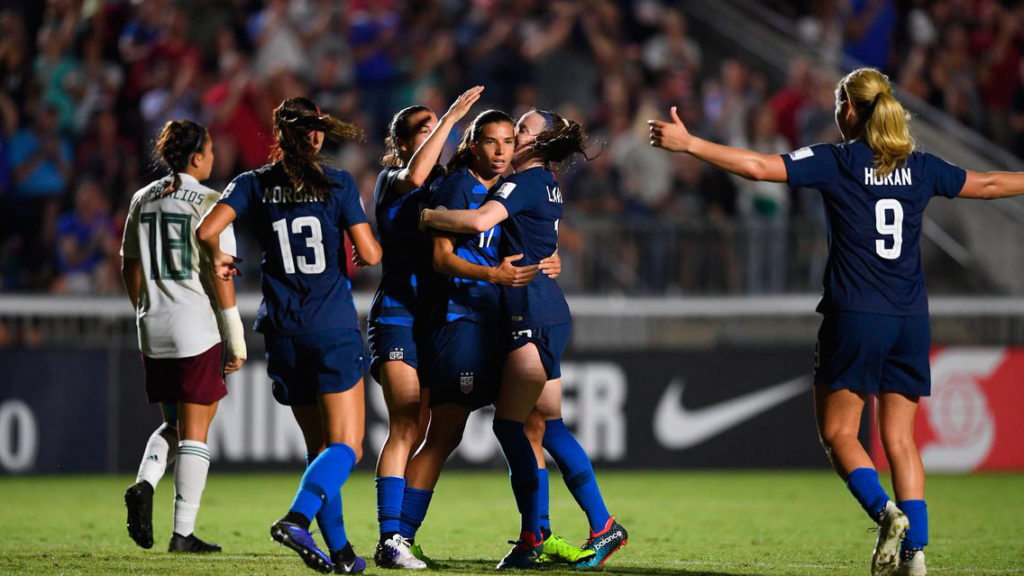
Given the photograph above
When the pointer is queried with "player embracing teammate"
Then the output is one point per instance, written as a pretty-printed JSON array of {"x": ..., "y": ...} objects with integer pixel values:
[{"x": 528, "y": 206}]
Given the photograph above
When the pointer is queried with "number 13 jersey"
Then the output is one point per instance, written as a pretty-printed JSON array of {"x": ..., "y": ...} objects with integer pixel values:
[
  {"x": 175, "y": 316},
  {"x": 874, "y": 224},
  {"x": 301, "y": 233}
]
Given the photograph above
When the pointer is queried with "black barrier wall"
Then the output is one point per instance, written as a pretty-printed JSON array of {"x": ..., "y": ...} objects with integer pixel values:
[{"x": 78, "y": 411}]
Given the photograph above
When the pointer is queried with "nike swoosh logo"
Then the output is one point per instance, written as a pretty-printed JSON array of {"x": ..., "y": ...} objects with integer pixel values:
[
  {"x": 677, "y": 427},
  {"x": 347, "y": 567}
]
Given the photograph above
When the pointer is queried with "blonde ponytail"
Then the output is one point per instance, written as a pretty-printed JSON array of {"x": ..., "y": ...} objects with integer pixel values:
[{"x": 886, "y": 125}]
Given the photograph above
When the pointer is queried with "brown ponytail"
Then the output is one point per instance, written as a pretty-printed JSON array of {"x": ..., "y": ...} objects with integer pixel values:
[
  {"x": 178, "y": 141},
  {"x": 294, "y": 119},
  {"x": 886, "y": 123},
  {"x": 560, "y": 140}
]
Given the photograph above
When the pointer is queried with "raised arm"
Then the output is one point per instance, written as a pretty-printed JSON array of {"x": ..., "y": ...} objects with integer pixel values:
[
  {"x": 447, "y": 262},
  {"x": 426, "y": 156},
  {"x": 674, "y": 137},
  {"x": 992, "y": 185},
  {"x": 465, "y": 221}
]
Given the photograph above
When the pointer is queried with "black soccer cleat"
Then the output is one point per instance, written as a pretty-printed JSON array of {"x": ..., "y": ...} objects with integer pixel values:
[
  {"x": 138, "y": 498},
  {"x": 190, "y": 545}
]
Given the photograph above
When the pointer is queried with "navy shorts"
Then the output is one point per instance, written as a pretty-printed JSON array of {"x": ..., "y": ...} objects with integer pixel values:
[
  {"x": 874, "y": 352},
  {"x": 306, "y": 366},
  {"x": 197, "y": 379},
  {"x": 389, "y": 342},
  {"x": 466, "y": 367},
  {"x": 551, "y": 342}
]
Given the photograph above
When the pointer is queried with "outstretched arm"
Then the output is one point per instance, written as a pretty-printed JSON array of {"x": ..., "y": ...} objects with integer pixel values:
[
  {"x": 482, "y": 219},
  {"x": 674, "y": 137},
  {"x": 992, "y": 185}
]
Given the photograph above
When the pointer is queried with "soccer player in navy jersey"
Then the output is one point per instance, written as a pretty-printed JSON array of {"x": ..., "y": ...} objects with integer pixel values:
[
  {"x": 528, "y": 206},
  {"x": 398, "y": 321},
  {"x": 464, "y": 335},
  {"x": 874, "y": 337},
  {"x": 300, "y": 210}
]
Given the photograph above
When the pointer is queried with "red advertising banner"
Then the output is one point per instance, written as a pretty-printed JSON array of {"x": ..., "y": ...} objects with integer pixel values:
[{"x": 974, "y": 419}]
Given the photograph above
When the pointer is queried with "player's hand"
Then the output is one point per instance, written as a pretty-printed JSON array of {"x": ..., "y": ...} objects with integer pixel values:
[
  {"x": 225, "y": 266},
  {"x": 551, "y": 266},
  {"x": 672, "y": 136},
  {"x": 234, "y": 365},
  {"x": 509, "y": 274},
  {"x": 358, "y": 260},
  {"x": 463, "y": 103}
]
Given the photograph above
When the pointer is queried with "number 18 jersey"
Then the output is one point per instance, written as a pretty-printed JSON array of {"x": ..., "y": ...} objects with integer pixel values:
[
  {"x": 175, "y": 314},
  {"x": 874, "y": 224},
  {"x": 304, "y": 278}
]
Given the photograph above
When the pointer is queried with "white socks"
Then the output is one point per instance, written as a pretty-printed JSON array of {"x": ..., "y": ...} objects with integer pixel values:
[
  {"x": 158, "y": 454},
  {"x": 189, "y": 482}
]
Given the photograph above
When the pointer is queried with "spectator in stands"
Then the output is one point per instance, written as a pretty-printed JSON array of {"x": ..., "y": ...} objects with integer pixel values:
[
  {"x": 765, "y": 209},
  {"x": 54, "y": 74},
  {"x": 869, "y": 32},
  {"x": 108, "y": 157},
  {"x": 15, "y": 70},
  {"x": 40, "y": 158},
  {"x": 671, "y": 46},
  {"x": 84, "y": 240}
]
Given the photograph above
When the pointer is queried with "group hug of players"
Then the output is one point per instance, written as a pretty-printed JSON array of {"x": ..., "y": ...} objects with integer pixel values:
[{"x": 469, "y": 313}]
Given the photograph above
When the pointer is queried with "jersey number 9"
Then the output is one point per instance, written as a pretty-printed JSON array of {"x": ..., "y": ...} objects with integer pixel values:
[
  {"x": 314, "y": 240},
  {"x": 895, "y": 229}
]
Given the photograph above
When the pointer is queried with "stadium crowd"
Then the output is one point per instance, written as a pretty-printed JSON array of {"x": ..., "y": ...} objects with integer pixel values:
[{"x": 87, "y": 85}]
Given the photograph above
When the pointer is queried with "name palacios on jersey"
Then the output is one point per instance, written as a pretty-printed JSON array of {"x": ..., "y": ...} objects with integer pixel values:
[{"x": 195, "y": 197}]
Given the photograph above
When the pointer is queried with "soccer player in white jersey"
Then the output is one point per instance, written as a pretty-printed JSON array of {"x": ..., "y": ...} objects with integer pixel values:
[{"x": 188, "y": 326}]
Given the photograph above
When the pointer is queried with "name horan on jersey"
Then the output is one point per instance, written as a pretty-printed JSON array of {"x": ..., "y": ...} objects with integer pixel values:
[
  {"x": 898, "y": 177},
  {"x": 284, "y": 194}
]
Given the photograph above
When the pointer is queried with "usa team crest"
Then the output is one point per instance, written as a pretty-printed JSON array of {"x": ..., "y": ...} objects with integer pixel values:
[{"x": 466, "y": 382}]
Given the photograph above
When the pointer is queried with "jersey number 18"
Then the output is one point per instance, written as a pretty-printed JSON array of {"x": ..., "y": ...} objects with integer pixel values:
[{"x": 170, "y": 245}]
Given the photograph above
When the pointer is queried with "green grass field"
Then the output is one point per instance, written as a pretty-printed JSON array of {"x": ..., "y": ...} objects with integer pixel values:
[{"x": 686, "y": 523}]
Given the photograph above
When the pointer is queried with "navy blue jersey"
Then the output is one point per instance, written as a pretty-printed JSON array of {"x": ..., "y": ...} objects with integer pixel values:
[
  {"x": 304, "y": 280},
  {"x": 471, "y": 299},
  {"x": 407, "y": 252},
  {"x": 534, "y": 204},
  {"x": 874, "y": 224}
]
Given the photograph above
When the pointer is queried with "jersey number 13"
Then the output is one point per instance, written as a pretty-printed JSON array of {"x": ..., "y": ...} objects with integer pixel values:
[{"x": 308, "y": 226}]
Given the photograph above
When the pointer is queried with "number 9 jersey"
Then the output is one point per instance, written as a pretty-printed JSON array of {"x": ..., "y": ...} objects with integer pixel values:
[
  {"x": 874, "y": 224},
  {"x": 301, "y": 233}
]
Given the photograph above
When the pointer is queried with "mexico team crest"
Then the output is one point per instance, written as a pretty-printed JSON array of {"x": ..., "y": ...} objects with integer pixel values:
[{"x": 466, "y": 382}]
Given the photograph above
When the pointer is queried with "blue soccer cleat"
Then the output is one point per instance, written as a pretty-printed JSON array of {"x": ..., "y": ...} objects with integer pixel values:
[
  {"x": 301, "y": 541},
  {"x": 604, "y": 544}
]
